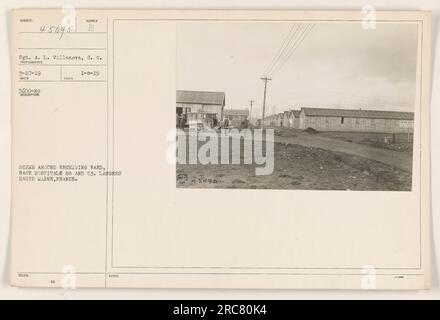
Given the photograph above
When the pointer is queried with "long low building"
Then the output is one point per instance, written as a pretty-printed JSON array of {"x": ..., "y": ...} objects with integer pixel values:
[
  {"x": 287, "y": 119},
  {"x": 236, "y": 117},
  {"x": 291, "y": 119},
  {"x": 326, "y": 119},
  {"x": 329, "y": 119}
]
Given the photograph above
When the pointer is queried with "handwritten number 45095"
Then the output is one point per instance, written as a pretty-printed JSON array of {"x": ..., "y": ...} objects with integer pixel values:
[{"x": 60, "y": 30}]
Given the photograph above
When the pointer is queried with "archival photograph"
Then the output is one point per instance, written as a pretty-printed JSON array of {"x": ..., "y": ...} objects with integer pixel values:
[{"x": 306, "y": 106}]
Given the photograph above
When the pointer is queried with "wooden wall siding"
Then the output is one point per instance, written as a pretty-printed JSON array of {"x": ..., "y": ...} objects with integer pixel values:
[
  {"x": 293, "y": 122},
  {"x": 280, "y": 121},
  {"x": 236, "y": 120},
  {"x": 287, "y": 122},
  {"x": 204, "y": 107},
  {"x": 270, "y": 122},
  {"x": 357, "y": 124}
]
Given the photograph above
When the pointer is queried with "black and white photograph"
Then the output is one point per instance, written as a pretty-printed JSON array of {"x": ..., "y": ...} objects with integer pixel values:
[
  {"x": 251, "y": 151},
  {"x": 296, "y": 105}
]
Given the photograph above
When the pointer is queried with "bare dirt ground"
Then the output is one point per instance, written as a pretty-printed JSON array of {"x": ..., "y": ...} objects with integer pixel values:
[
  {"x": 324, "y": 140},
  {"x": 403, "y": 141},
  {"x": 299, "y": 167}
]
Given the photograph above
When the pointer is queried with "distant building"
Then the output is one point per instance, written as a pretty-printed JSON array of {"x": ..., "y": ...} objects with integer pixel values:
[
  {"x": 236, "y": 116},
  {"x": 279, "y": 119},
  {"x": 200, "y": 103},
  {"x": 267, "y": 121},
  {"x": 286, "y": 116},
  {"x": 327, "y": 119},
  {"x": 294, "y": 118},
  {"x": 258, "y": 123},
  {"x": 274, "y": 120}
]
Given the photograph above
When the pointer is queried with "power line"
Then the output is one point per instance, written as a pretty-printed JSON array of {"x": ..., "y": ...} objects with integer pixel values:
[
  {"x": 292, "y": 50},
  {"x": 279, "y": 50},
  {"x": 283, "y": 54},
  {"x": 293, "y": 38},
  {"x": 286, "y": 43}
]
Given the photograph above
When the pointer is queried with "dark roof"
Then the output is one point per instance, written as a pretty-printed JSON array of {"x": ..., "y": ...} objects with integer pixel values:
[
  {"x": 238, "y": 112},
  {"x": 357, "y": 113},
  {"x": 295, "y": 113},
  {"x": 200, "y": 97},
  {"x": 201, "y": 112}
]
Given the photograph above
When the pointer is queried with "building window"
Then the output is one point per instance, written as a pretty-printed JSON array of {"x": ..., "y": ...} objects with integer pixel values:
[
  {"x": 342, "y": 120},
  {"x": 357, "y": 120}
]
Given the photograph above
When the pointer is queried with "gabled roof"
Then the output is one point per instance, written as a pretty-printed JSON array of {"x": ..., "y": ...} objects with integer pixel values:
[
  {"x": 358, "y": 113},
  {"x": 237, "y": 112},
  {"x": 200, "y": 97},
  {"x": 295, "y": 113}
]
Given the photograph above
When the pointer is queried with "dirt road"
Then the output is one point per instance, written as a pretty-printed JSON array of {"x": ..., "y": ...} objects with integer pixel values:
[
  {"x": 401, "y": 160},
  {"x": 306, "y": 162}
]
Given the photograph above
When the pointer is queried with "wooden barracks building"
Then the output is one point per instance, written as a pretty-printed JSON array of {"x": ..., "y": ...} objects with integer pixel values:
[
  {"x": 200, "y": 101},
  {"x": 328, "y": 119},
  {"x": 199, "y": 108},
  {"x": 236, "y": 116},
  {"x": 287, "y": 119}
]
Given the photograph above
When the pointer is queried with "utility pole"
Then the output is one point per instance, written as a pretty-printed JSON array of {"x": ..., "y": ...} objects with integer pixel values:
[
  {"x": 265, "y": 79},
  {"x": 250, "y": 112}
]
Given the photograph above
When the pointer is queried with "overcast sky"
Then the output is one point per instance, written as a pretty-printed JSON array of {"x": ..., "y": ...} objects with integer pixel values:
[{"x": 338, "y": 65}]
